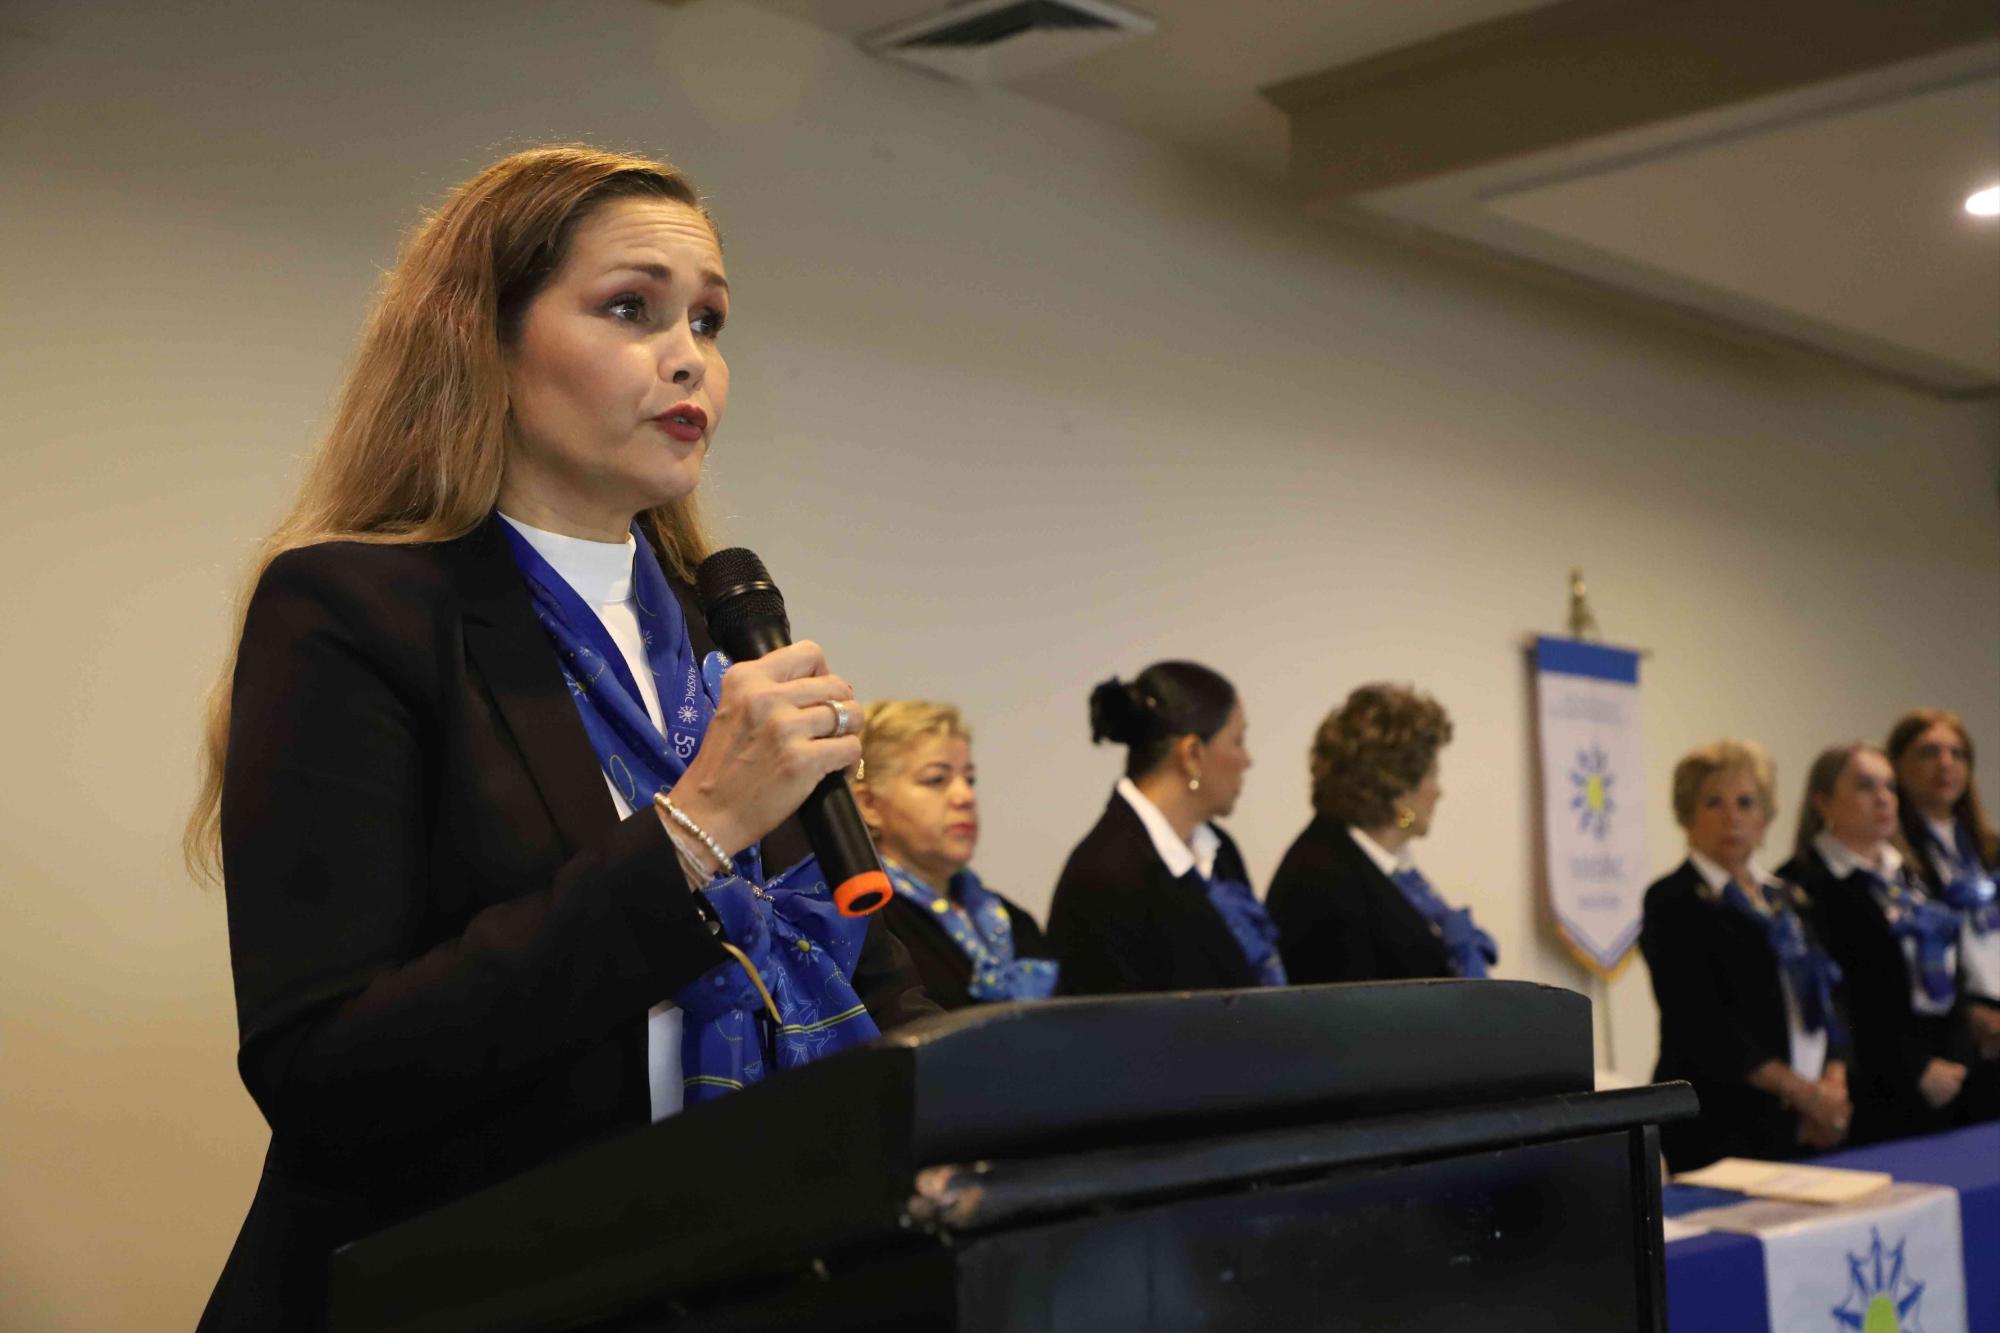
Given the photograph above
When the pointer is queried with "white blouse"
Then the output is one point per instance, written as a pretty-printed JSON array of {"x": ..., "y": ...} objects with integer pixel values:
[
  {"x": 1198, "y": 853},
  {"x": 601, "y": 574}
]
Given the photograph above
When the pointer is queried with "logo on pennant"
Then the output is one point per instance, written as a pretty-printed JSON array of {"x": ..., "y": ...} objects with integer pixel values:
[
  {"x": 1590, "y": 792},
  {"x": 1882, "y": 1297}
]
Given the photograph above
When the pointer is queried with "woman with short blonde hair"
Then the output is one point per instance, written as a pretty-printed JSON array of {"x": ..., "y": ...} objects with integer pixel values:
[
  {"x": 917, "y": 791},
  {"x": 1349, "y": 901},
  {"x": 1749, "y": 999}
]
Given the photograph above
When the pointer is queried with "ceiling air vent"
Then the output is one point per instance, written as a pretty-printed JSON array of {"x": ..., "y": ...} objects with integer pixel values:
[{"x": 992, "y": 41}]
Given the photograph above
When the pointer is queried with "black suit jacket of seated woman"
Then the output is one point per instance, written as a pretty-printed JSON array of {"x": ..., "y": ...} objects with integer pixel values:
[
  {"x": 1122, "y": 922},
  {"x": 445, "y": 941},
  {"x": 1340, "y": 918},
  {"x": 1722, "y": 1014},
  {"x": 942, "y": 967}
]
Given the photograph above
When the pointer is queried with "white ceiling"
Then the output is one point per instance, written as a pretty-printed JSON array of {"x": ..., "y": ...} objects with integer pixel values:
[
  {"x": 1196, "y": 83},
  {"x": 1828, "y": 216},
  {"x": 1853, "y": 221}
]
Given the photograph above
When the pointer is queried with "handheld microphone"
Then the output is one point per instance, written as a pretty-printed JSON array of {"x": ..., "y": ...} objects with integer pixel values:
[{"x": 746, "y": 616}]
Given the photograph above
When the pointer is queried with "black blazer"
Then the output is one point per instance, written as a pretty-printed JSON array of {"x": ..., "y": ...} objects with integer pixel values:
[
  {"x": 1341, "y": 919},
  {"x": 1120, "y": 922},
  {"x": 1892, "y": 1041},
  {"x": 1722, "y": 1014},
  {"x": 444, "y": 940},
  {"x": 941, "y": 965}
]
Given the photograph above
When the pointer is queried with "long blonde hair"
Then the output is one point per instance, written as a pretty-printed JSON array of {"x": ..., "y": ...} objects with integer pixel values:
[{"x": 420, "y": 432}]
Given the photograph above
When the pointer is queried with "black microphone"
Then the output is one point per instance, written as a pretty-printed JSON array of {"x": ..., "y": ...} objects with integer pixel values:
[{"x": 746, "y": 617}]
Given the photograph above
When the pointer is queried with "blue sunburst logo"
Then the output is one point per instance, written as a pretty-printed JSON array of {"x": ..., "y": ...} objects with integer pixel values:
[
  {"x": 1590, "y": 792},
  {"x": 1882, "y": 1298}
]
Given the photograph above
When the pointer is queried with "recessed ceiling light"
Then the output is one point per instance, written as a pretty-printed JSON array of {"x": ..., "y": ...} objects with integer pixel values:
[{"x": 1984, "y": 203}]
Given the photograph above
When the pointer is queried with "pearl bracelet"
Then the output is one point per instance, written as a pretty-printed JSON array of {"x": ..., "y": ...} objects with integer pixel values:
[{"x": 700, "y": 835}]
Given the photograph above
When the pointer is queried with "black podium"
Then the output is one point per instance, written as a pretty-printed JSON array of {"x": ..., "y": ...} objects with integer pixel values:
[{"x": 1417, "y": 1155}]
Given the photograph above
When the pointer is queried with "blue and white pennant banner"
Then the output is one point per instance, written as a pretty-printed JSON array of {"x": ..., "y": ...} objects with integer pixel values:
[{"x": 1593, "y": 806}]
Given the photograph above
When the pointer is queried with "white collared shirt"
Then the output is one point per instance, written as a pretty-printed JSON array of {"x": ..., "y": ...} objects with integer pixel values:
[
  {"x": 1844, "y": 861},
  {"x": 1384, "y": 861},
  {"x": 600, "y": 573},
  {"x": 1808, "y": 1049},
  {"x": 1198, "y": 853}
]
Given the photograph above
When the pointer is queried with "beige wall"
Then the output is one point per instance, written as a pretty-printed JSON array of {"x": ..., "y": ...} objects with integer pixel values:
[{"x": 1018, "y": 402}]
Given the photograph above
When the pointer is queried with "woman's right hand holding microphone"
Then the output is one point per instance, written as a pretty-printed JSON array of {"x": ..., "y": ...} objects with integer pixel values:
[{"x": 778, "y": 729}]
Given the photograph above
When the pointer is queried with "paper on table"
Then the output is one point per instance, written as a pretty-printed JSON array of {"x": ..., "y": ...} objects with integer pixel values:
[
  {"x": 1788, "y": 1180},
  {"x": 1673, "y": 1229}
]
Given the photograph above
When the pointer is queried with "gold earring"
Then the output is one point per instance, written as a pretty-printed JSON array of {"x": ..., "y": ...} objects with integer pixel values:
[{"x": 1405, "y": 816}]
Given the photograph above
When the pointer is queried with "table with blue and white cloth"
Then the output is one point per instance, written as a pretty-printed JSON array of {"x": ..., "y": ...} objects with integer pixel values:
[{"x": 1721, "y": 1282}]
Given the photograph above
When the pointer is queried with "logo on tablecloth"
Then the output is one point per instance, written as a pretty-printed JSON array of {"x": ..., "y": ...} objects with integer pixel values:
[{"x": 1882, "y": 1296}]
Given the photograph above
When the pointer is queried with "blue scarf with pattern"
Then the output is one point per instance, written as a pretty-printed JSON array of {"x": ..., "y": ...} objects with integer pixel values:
[
  {"x": 1811, "y": 973},
  {"x": 1968, "y": 888},
  {"x": 1471, "y": 950},
  {"x": 1932, "y": 928},
  {"x": 976, "y": 921},
  {"x": 802, "y": 947},
  {"x": 1251, "y": 926}
]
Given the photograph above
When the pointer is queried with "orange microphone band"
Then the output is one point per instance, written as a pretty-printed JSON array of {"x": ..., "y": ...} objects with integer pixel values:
[{"x": 861, "y": 894}]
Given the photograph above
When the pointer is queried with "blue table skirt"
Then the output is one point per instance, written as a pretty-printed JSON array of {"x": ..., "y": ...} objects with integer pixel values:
[{"x": 1715, "y": 1282}]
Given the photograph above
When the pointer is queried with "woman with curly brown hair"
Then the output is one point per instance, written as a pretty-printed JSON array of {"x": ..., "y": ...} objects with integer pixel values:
[{"x": 1349, "y": 902}]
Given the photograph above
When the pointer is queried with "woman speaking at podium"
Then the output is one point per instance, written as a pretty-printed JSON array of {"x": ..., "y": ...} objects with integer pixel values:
[
  {"x": 466, "y": 935},
  {"x": 1156, "y": 897}
]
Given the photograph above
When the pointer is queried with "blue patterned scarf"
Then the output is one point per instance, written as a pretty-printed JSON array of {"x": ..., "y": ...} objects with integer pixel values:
[
  {"x": 1254, "y": 931},
  {"x": 1811, "y": 973},
  {"x": 976, "y": 921},
  {"x": 1968, "y": 888},
  {"x": 1471, "y": 950},
  {"x": 800, "y": 944},
  {"x": 1934, "y": 930}
]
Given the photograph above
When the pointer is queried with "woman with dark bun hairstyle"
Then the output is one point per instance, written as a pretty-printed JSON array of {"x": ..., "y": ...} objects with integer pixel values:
[
  {"x": 1155, "y": 897},
  {"x": 1349, "y": 902}
]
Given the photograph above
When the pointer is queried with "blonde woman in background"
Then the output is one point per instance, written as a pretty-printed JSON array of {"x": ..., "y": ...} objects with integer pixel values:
[
  {"x": 917, "y": 792},
  {"x": 1748, "y": 996}
]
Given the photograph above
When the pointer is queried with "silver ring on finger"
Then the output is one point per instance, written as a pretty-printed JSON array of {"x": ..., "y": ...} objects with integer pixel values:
[{"x": 839, "y": 718}]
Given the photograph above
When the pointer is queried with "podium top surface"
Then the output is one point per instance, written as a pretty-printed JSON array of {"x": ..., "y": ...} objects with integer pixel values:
[
  {"x": 992, "y": 1079},
  {"x": 843, "y": 1139}
]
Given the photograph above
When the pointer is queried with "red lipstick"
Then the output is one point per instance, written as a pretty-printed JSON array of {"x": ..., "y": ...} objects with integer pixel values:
[{"x": 684, "y": 421}]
